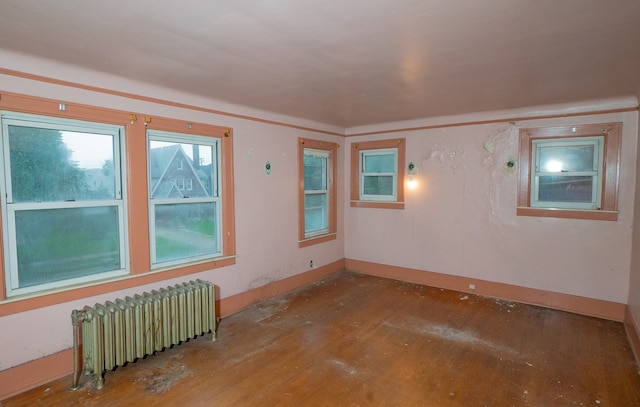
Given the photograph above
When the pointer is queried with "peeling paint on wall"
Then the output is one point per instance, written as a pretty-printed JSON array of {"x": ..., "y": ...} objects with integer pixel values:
[
  {"x": 501, "y": 149},
  {"x": 442, "y": 154}
]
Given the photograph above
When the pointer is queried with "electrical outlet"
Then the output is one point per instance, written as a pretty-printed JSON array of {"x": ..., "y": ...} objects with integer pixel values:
[{"x": 311, "y": 264}]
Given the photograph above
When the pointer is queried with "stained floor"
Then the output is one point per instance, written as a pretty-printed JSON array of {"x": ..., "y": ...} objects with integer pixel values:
[{"x": 357, "y": 340}]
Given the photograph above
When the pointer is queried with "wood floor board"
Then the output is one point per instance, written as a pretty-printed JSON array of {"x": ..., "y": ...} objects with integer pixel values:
[{"x": 359, "y": 340}]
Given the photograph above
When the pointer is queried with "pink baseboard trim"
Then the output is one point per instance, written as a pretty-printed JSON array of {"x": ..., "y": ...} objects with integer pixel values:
[
  {"x": 565, "y": 302},
  {"x": 235, "y": 303},
  {"x": 32, "y": 374},
  {"x": 633, "y": 334}
]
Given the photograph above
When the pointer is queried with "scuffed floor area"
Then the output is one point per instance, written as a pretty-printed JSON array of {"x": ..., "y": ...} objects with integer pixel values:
[{"x": 356, "y": 340}]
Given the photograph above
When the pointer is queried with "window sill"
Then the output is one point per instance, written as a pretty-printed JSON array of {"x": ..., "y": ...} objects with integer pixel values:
[
  {"x": 316, "y": 239},
  {"x": 377, "y": 204},
  {"x": 568, "y": 213}
]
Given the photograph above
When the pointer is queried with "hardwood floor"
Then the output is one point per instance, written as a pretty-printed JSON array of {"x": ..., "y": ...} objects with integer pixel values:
[{"x": 356, "y": 340}]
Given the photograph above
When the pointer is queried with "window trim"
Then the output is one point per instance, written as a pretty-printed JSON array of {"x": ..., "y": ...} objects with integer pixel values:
[
  {"x": 612, "y": 133},
  {"x": 331, "y": 233},
  {"x": 136, "y": 201},
  {"x": 356, "y": 149}
]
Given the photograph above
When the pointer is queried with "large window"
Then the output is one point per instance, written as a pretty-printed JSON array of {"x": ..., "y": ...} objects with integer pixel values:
[
  {"x": 185, "y": 223},
  {"x": 64, "y": 213},
  {"x": 570, "y": 171},
  {"x": 317, "y": 163},
  {"x": 377, "y": 174}
]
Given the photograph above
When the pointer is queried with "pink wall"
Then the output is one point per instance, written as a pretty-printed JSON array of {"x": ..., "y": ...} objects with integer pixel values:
[
  {"x": 266, "y": 205},
  {"x": 461, "y": 220}
]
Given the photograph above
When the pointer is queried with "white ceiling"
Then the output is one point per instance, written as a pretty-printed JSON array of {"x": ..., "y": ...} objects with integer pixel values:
[{"x": 346, "y": 62}]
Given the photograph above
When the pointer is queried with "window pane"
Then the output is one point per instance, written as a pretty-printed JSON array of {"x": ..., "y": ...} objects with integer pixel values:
[
  {"x": 565, "y": 189},
  {"x": 315, "y": 212},
  {"x": 378, "y": 185},
  {"x": 185, "y": 230},
  {"x": 566, "y": 158},
  {"x": 168, "y": 177},
  {"x": 379, "y": 163},
  {"x": 58, "y": 244},
  {"x": 315, "y": 173},
  {"x": 52, "y": 165}
]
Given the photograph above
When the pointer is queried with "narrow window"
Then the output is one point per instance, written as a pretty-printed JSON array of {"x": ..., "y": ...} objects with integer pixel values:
[
  {"x": 377, "y": 174},
  {"x": 316, "y": 192},
  {"x": 64, "y": 210},
  {"x": 184, "y": 227},
  {"x": 570, "y": 171},
  {"x": 318, "y": 212}
]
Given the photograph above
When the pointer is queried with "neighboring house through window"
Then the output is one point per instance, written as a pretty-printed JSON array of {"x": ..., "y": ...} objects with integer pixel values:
[
  {"x": 377, "y": 174},
  {"x": 317, "y": 194},
  {"x": 570, "y": 171},
  {"x": 86, "y": 206},
  {"x": 184, "y": 226}
]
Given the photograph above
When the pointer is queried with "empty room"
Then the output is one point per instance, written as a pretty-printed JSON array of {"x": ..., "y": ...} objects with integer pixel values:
[{"x": 299, "y": 203}]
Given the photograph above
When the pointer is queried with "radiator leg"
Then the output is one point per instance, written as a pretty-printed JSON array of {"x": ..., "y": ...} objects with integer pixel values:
[
  {"x": 214, "y": 329},
  {"x": 75, "y": 320},
  {"x": 99, "y": 381}
]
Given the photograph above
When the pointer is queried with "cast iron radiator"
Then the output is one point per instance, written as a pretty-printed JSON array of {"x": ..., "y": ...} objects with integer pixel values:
[{"x": 122, "y": 331}]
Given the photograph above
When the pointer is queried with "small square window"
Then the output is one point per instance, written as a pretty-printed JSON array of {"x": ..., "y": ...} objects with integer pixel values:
[
  {"x": 570, "y": 172},
  {"x": 567, "y": 173},
  {"x": 377, "y": 174}
]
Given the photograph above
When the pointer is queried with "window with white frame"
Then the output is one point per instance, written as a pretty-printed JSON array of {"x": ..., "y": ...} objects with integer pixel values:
[
  {"x": 64, "y": 212},
  {"x": 379, "y": 175},
  {"x": 184, "y": 227},
  {"x": 316, "y": 192},
  {"x": 567, "y": 173},
  {"x": 570, "y": 171}
]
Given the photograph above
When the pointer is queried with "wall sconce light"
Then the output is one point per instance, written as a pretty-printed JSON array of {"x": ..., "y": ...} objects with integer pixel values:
[
  {"x": 411, "y": 170},
  {"x": 147, "y": 120},
  {"x": 132, "y": 118}
]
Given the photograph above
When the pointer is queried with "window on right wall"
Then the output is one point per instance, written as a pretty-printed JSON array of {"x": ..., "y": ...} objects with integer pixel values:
[{"x": 570, "y": 172}]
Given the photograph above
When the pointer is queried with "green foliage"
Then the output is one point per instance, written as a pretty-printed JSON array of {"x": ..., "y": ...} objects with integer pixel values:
[{"x": 41, "y": 166}]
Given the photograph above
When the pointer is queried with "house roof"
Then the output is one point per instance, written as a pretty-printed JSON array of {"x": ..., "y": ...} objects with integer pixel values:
[{"x": 345, "y": 63}]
